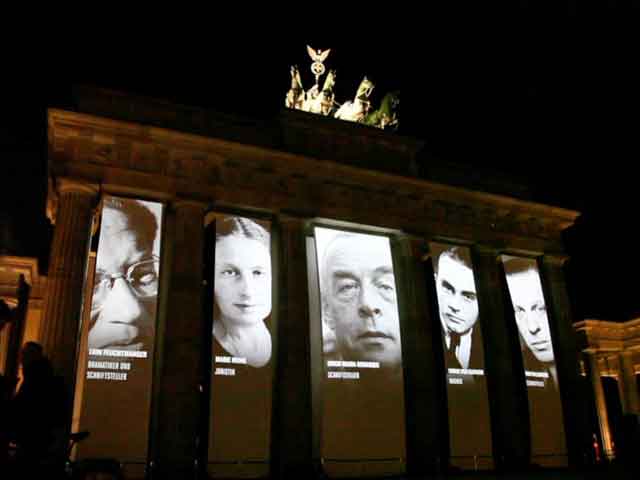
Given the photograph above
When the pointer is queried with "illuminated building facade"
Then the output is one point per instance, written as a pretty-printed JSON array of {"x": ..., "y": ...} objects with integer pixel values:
[
  {"x": 295, "y": 174},
  {"x": 611, "y": 358}
]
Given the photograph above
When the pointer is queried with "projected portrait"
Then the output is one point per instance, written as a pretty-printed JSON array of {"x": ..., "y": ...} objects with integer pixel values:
[
  {"x": 530, "y": 310},
  {"x": 241, "y": 382},
  {"x": 458, "y": 306},
  {"x": 117, "y": 341},
  {"x": 362, "y": 410},
  {"x": 242, "y": 290},
  {"x": 548, "y": 445},
  {"x": 359, "y": 302},
  {"x": 123, "y": 307},
  {"x": 467, "y": 399}
]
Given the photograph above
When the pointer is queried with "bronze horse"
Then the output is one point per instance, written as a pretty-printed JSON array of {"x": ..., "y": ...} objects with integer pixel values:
[{"x": 295, "y": 95}]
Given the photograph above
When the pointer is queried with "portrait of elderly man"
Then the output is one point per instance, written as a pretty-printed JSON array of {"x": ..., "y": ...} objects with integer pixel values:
[
  {"x": 530, "y": 311},
  {"x": 126, "y": 280},
  {"x": 362, "y": 409},
  {"x": 359, "y": 301},
  {"x": 458, "y": 306}
]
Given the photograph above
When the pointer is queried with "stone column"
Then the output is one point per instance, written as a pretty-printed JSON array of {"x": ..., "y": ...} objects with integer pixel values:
[
  {"x": 65, "y": 281},
  {"x": 575, "y": 409},
  {"x": 292, "y": 418},
  {"x": 601, "y": 406},
  {"x": 182, "y": 337},
  {"x": 505, "y": 376},
  {"x": 629, "y": 385},
  {"x": 17, "y": 328},
  {"x": 620, "y": 383},
  {"x": 426, "y": 419}
]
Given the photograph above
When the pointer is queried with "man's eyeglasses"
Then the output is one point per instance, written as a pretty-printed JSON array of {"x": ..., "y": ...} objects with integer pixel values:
[{"x": 142, "y": 278}]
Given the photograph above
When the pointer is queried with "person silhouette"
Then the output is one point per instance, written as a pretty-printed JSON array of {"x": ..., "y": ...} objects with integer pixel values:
[{"x": 38, "y": 412}]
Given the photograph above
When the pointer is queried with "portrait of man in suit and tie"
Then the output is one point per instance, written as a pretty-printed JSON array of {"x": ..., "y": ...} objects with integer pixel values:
[
  {"x": 458, "y": 305},
  {"x": 467, "y": 399}
]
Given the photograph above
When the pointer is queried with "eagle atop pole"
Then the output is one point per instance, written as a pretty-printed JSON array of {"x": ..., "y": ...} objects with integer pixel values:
[{"x": 318, "y": 57}]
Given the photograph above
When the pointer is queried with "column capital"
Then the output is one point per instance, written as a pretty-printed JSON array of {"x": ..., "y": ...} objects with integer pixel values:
[
  {"x": 63, "y": 185},
  {"x": 487, "y": 250},
  {"x": 180, "y": 203},
  {"x": 555, "y": 259},
  {"x": 415, "y": 246},
  {"x": 291, "y": 222},
  {"x": 68, "y": 185},
  {"x": 289, "y": 218}
]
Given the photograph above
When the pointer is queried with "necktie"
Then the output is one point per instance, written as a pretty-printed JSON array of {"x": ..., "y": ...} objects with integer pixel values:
[
  {"x": 452, "y": 359},
  {"x": 454, "y": 341}
]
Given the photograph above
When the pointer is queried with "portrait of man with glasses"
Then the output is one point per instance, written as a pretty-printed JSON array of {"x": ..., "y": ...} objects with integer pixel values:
[{"x": 126, "y": 280}]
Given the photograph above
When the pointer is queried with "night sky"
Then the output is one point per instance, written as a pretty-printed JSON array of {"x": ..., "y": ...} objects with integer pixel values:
[{"x": 546, "y": 94}]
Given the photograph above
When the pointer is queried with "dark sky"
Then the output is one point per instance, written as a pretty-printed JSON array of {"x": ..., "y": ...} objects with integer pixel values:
[{"x": 547, "y": 93}]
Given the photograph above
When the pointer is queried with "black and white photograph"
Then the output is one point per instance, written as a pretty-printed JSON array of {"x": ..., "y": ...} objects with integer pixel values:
[
  {"x": 463, "y": 349},
  {"x": 525, "y": 289},
  {"x": 530, "y": 311},
  {"x": 123, "y": 307},
  {"x": 458, "y": 309},
  {"x": 358, "y": 300},
  {"x": 363, "y": 387},
  {"x": 242, "y": 291},
  {"x": 119, "y": 344},
  {"x": 241, "y": 380},
  {"x": 501, "y": 128}
]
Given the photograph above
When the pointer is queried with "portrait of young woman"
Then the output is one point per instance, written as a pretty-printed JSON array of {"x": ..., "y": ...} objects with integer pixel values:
[
  {"x": 241, "y": 380},
  {"x": 242, "y": 290}
]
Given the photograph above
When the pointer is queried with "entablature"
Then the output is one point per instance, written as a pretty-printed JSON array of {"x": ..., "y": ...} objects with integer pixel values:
[
  {"x": 129, "y": 158},
  {"x": 604, "y": 336}
]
